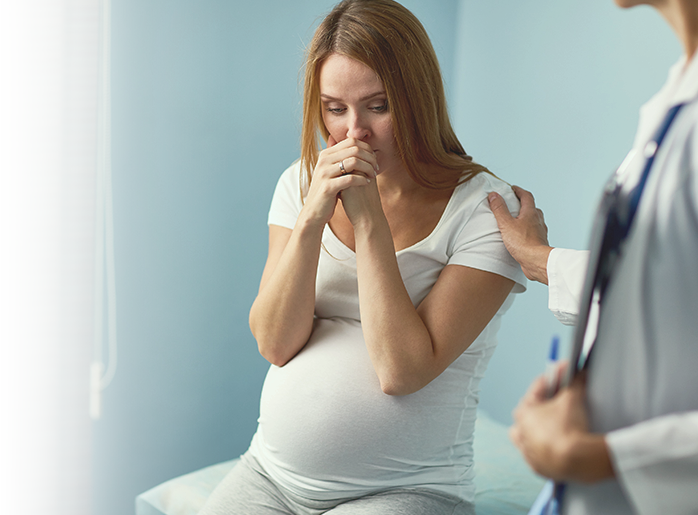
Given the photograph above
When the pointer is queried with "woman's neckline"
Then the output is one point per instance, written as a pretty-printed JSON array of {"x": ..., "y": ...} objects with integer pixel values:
[{"x": 418, "y": 243}]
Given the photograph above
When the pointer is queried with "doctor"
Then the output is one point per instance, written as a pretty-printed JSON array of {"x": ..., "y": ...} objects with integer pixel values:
[{"x": 624, "y": 435}]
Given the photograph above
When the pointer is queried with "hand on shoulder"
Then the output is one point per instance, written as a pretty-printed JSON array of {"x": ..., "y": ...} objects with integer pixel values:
[{"x": 525, "y": 236}]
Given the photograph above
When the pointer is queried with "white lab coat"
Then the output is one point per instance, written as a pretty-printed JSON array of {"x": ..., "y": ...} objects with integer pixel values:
[{"x": 643, "y": 378}]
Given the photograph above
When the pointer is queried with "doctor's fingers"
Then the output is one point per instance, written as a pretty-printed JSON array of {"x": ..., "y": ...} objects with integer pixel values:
[
  {"x": 535, "y": 395},
  {"x": 499, "y": 209},
  {"x": 524, "y": 432},
  {"x": 524, "y": 196},
  {"x": 537, "y": 392},
  {"x": 528, "y": 204}
]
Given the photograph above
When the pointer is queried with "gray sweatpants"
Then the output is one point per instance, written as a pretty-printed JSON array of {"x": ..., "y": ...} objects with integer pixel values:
[{"x": 248, "y": 490}]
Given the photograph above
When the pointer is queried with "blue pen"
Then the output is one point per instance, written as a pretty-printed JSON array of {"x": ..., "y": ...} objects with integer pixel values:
[
  {"x": 551, "y": 376},
  {"x": 547, "y": 502}
]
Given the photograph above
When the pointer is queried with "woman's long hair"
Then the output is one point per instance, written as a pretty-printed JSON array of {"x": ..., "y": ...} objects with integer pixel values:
[{"x": 390, "y": 40}]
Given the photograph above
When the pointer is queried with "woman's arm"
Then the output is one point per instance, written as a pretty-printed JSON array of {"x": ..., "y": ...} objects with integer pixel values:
[
  {"x": 410, "y": 347},
  {"x": 281, "y": 317}
]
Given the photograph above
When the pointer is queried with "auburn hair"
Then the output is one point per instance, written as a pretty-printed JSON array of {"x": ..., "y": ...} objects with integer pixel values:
[{"x": 390, "y": 40}]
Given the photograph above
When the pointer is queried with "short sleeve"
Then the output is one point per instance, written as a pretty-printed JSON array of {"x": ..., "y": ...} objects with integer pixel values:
[
  {"x": 479, "y": 243},
  {"x": 286, "y": 204}
]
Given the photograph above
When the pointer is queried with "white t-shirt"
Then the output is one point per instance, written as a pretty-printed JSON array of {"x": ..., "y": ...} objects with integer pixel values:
[{"x": 326, "y": 430}]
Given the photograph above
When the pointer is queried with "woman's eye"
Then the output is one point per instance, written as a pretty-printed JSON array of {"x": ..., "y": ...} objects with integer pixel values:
[
  {"x": 335, "y": 110},
  {"x": 380, "y": 108}
]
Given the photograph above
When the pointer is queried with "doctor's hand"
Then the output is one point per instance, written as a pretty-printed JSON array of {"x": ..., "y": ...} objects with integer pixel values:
[
  {"x": 350, "y": 163},
  {"x": 526, "y": 236},
  {"x": 553, "y": 434}
]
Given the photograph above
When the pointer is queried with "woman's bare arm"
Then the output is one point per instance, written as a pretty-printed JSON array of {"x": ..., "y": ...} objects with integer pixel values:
[
  {"x": 410, "y": 347},
  {"x": 281, "y": 317}
]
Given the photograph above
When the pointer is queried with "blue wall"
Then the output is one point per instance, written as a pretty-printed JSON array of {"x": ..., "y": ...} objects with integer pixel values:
[
  {"x": 206, "y": 115},
  {"x": 206, "y": 104}
]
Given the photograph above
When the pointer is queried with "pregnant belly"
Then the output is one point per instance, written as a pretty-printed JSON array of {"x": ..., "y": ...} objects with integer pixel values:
[{"x": 324, "y": 416}]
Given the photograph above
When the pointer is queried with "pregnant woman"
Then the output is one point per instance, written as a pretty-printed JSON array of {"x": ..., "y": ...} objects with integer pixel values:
[{"x": 382, "y": 293}]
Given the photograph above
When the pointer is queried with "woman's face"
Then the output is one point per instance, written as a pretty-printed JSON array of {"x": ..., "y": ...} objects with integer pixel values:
[{"x": 354, "y": 105}]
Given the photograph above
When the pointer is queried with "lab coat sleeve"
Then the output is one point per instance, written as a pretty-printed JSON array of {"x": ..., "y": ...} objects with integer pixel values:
[
  {"x": 566, "y": 270},
  {"x": 656, "y": 463}
]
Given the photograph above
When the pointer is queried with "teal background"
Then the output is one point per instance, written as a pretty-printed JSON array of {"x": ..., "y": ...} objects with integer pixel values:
[{"x": 206, "y": 114}]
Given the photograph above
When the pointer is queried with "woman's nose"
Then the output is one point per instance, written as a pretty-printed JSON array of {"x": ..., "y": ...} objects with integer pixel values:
[{"x": 357, "y": 128}]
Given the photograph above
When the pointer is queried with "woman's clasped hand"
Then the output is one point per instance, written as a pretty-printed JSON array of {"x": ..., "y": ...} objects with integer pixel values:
[{"x": 342, "y": 167}]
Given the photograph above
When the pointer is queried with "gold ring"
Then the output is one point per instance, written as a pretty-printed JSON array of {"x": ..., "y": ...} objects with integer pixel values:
[{"x": 341, "y": 167}]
